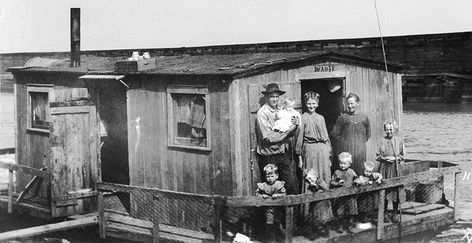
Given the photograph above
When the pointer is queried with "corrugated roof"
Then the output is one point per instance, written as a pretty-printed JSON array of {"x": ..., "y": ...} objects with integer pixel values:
[{"x": 230, "y": 64}]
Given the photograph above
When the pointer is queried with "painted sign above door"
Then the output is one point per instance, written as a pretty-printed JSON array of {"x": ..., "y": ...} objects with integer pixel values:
[
  {"x": 323, "y": 70},
  {"x": 328, "y": 68}
]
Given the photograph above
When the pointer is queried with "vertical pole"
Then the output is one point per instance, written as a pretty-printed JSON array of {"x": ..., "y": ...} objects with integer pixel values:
[
  {"x": 101, "y": 215},
  {"x": 456, "y": 204},
  {"x": 155, "y": 219},
  {"x": 10, "y": 191},
  {"x": 75, "y": 37},
  {"x": 217, "y": 207},
  {"x": 380, "y": 216},
  {"x": 288, "y": 224}
]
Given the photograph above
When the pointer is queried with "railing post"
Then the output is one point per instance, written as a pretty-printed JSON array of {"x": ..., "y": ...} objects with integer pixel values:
[
  {"x": 288, "y": 224},
  {"x": 10, "y": 191},
  {"x": 217, "y": 208},
  {"x": 155, "y": 219},
  {"x": 380, "y": 216},
  {"x": 456, "y": 204},
  {"x": 101, "y": 215}
]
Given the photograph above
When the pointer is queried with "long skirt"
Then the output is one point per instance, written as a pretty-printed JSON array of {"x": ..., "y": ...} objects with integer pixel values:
[{"x": 316, "y": 156}]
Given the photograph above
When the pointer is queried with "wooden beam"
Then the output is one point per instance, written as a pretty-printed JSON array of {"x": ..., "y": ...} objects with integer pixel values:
[
  {"x": 24, "y": 169},
  {"x": 147, "y": 226},
  {"x": 10, "y": 191},
  {"x": 44, "y": 229},
  {"x": 106, "y": 186},
  {"x": 75, "y": 195},
  {"x": 155, "y": 219},
  {"x": 288, "y": 224},
  {"x": 291, "y": 200},
  {"x": 101, "y": 216},
  {"x": 217, "y": 209},
  {"x": 380, "y": 216},
  {"x": 456, "y": 198},
  {"x": 7, "y": 151}
]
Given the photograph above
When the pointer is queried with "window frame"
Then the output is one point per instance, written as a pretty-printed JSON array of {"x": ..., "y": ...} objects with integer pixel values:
[
  {"x": 37, "y": 88},
  {"x": 172, "y": 129}
]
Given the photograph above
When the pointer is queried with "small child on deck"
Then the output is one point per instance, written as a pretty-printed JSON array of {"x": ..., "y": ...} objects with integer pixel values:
[
  {"x": 284, "y": 116},
  {"x": 346, "y": 207},
  {"x": 271, "y": 188},
  {"x": 321, "y": 211},
  {"x": 368, "y": 202}
]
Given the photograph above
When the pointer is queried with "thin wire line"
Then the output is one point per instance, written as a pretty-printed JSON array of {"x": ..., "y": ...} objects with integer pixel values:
[{"x": 381, "y": 37}]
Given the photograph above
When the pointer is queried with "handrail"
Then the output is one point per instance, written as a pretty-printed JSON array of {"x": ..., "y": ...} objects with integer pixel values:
[
  {"x": 26, "y": 169},
  {"x": 291, "y": 200},
  {"x": 219, "y": 201},
  {"x": 107, "y": 186}
]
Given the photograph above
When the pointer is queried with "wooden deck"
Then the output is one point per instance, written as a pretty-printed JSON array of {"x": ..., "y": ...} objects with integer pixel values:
[{"x": 411, "y": 224}]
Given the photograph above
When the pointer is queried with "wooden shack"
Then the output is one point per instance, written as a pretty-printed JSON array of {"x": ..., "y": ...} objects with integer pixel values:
[{"x": 187, "y": 125}]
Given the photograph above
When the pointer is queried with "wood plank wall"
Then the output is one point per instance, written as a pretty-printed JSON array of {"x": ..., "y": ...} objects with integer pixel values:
[
  {"x": 35, "y": 148},
  {"x": 243, "y": 125},
  {"x": 153, "y": 164},
  {"x": 380, "y": 100}
]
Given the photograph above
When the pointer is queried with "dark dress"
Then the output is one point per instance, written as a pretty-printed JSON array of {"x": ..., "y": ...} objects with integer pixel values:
[
  {"x": 352, "y": 132},
  {"x": 390, "y": 147}
]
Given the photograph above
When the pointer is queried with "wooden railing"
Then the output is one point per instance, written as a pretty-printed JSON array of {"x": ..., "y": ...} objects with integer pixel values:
[
  {"x": 289, "y": 202},
  {"x": 22, "y": 169},
  {"x": 148, "y": 226}
]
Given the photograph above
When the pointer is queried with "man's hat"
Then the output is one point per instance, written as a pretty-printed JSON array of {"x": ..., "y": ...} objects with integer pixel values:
[{"x": 273, "y": 88}]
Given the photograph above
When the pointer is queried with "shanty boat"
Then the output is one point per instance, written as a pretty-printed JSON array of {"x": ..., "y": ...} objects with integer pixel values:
[{"x": 163, "y": 149}]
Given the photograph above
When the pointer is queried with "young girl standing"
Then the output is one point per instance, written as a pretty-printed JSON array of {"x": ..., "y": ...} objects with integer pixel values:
[
  {"x": 390, "y": 154},
  {"x": 313, "y": 141}
]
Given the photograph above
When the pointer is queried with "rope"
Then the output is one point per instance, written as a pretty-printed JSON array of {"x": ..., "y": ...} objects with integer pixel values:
[
  {"x": 386, "y": 69},
  {"x": 381, "y": 37}
]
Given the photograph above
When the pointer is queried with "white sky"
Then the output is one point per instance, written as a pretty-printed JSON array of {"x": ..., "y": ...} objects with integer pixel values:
[{"x": 41, "y": 26}]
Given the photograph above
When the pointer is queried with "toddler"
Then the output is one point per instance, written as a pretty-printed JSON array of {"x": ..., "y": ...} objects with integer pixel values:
[
  {"x": 271, "y": 188},
  {"x": 369, "y": 176},
  {"x": 346, "y": 207},
  {"x": 321, "y": 211},
  {"x": 283, "y": 118},
  {"x": 368, "y": 202}
]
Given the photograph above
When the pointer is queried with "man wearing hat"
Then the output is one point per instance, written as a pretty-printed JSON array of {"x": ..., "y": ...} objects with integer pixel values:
[{"x": 273, "y": 147}]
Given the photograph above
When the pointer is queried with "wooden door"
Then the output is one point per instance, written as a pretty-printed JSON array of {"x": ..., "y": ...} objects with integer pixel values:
[
  {"x": 256, "y": 100},
  {"x": 74, "y": 148}
]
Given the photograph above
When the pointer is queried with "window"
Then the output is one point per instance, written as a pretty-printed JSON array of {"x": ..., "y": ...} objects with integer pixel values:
[
  {"x": 188, "y": 109},
  {"x": 38, "y": 108}
]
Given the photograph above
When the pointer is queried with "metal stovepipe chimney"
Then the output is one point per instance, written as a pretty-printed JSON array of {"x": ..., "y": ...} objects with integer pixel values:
[{"x": 75, "y": 37}]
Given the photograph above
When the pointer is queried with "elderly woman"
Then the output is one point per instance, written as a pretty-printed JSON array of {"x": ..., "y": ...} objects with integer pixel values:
[{"x": 352, "y": 130}]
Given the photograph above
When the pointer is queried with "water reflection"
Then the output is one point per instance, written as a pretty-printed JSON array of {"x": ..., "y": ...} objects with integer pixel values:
[{"x": 443, "y": 132}]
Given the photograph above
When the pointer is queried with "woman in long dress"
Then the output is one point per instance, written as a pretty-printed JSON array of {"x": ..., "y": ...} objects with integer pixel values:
[
  {"x": 352, "y": 131},
  {"x": 313, "y": 142},
  {"x": 314, "y": 147}
]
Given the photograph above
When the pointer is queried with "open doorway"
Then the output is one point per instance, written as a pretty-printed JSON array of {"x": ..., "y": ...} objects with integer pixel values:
[{"x": 331, "y": 93}]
